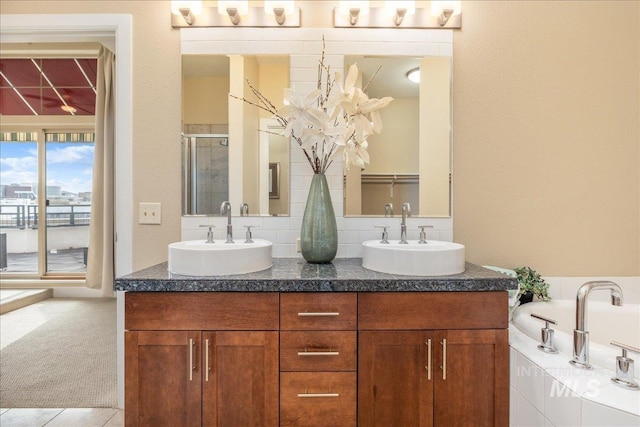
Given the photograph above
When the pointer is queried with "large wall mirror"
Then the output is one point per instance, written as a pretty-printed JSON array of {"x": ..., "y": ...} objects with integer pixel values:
[
  {"x": 411, "y": 158},
  {"x": 232, "y": 150}
]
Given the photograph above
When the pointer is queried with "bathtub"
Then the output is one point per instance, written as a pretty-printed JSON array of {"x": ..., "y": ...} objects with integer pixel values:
[
  {"x": 605, "y": 323},
  {"x": 546, "y": 390}
]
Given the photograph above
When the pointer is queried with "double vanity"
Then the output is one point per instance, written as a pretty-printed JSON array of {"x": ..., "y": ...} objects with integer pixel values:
[{"x": 302, "y": 344}]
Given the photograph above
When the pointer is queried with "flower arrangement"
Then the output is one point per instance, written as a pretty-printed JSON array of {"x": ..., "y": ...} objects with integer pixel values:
[{"x": 333, "y": 119}]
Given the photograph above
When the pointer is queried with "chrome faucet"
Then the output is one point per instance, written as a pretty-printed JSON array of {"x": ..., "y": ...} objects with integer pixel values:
[
  {"x": 244, "y": 209},
  {"x": 580, "y": 333},
  {"x": 388, "y": 210},
  {"x": 406, "y": 211},
  {"x": 225, "y": 209},
  {"x": 209, "y": 233}
]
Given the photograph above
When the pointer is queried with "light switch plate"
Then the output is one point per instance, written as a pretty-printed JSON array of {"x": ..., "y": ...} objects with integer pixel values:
[{"x": 150, "y": 213}]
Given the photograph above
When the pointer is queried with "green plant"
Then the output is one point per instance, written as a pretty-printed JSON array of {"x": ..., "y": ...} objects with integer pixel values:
[{"x": 531, "y": 281}]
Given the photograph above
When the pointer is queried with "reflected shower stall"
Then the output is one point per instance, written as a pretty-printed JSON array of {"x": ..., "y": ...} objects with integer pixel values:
[{"x": 205, "y": 173}]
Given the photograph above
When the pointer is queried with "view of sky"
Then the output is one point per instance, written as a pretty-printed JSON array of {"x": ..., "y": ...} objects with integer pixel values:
[{"x": 69, "y": 165}]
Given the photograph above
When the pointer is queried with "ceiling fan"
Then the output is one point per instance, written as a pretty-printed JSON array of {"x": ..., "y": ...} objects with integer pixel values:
[{"x": 68, "y": 105}]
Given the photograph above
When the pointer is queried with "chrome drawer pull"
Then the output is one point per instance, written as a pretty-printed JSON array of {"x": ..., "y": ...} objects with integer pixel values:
[
  {"x": 444, "y": 358},
  {"x": 319, "y": 314},
  {"x": 428, "y": 367},
  {"x": 206, "y": 356},
  {"x": 192, "y": 366},
  {"x": 318, "y": 395},
  {"x": 318, "y": 353}
]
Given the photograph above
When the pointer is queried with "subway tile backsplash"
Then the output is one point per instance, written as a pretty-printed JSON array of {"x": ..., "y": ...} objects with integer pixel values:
[{"x": 304, "y": 45}]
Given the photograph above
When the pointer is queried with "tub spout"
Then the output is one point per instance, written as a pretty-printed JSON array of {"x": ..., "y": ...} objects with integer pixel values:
[{"x": 580, "y": 333}]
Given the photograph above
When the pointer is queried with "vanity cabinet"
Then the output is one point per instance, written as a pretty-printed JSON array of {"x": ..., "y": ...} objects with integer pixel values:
[
  {"x": 316, "y": 359},
  {"x": 195, "y": 359},
  {"x": 417, "y": 367}
]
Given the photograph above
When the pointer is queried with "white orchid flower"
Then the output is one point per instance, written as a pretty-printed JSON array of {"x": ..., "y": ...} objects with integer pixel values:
[
  {"x": 300, "y": 111},
  {"x": 341, "y": 123},
  {"x": 327, "y": 131}
]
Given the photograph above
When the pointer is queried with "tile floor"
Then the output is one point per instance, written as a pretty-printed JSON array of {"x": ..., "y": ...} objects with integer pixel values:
[{"x": 70, "y": 417}]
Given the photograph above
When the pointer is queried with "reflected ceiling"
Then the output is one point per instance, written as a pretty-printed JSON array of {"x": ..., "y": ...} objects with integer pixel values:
[{"x": 47, "y": 86}]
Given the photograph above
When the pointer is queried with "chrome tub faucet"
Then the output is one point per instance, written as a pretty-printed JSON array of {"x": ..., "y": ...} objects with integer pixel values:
[
  {"x": 244, "y": 209},
  {"x": 580, "y": 333},
  {"x": 225, "y": 209}
]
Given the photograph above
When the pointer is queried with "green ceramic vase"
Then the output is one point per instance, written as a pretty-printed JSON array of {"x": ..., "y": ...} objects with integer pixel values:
[{"x": 319, "y": 234}]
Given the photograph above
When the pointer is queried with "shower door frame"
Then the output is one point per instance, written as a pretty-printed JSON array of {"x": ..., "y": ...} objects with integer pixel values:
[{"x": 189, "y": 173}]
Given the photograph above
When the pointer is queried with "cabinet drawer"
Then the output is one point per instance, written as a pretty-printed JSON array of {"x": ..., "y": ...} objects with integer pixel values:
[
  {"x": 433, "y": 310},
  {"x": 318, "y": 351},
  {"x": 318, "y": 399},
  {"x": 238, "y": 311},
  {"x": 318, "y": 311}
]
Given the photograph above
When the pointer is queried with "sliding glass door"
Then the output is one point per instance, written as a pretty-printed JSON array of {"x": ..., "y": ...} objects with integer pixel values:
[{"x": 45, "y": 208}]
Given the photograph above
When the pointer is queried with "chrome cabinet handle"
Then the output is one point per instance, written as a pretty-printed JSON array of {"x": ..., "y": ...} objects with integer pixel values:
[
  {"x": 206, "y": 361},
  {"x": 318, "y": 314},
  {"x": 192, "y": 366},
  {"x": 318, "y": 395},
  {"x": 444, "y": 358},
  {"x": 318, "y": 353},
  {"x": 428, "y": 367}
]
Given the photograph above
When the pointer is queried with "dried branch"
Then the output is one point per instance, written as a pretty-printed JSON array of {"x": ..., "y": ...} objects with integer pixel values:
[{"x": 364, "y": 89}]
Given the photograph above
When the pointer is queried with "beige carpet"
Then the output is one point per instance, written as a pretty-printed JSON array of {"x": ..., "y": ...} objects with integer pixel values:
[{"x": 59, "y": 353}]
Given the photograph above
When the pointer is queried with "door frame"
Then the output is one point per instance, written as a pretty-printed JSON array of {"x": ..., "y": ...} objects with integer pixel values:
[{"x": 115, "y": 32}]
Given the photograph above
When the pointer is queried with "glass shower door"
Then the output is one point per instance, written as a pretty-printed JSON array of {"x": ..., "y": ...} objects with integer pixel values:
[{"x": 205, "y": 167}]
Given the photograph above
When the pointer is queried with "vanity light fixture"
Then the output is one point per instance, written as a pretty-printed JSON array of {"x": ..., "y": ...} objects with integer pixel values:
[
  {"x": 443, "y": 14},
  {"x": 414, "y": 75},
  {"x": 234, "y": 13},
  {"x": 445, "y": 9},
  {"x": 398, "y": 9},
  {"x": 279, "y": 9},
  {"x": 353, "y": 9},
  {"x": 234, "y": 9},
  {"x": 187, "y": 9}
]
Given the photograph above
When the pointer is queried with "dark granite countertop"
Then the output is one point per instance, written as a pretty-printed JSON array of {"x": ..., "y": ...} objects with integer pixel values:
[{"x": 296, "y": 275}]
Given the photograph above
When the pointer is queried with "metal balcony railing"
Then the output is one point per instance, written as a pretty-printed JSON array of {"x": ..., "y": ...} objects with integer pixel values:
[{"x": 26, "y": 216}]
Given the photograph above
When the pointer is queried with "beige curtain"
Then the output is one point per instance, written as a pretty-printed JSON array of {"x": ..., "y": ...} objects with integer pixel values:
[{"x": 100, "y": 258}]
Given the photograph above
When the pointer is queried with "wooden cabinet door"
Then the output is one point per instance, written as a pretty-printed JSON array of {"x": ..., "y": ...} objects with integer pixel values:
[
  {"x": 472, "y": 379},
  {"x": 162, "y": 378},
  {"x": 240, "y": 380},
  {"x": 394, "y": 385}
]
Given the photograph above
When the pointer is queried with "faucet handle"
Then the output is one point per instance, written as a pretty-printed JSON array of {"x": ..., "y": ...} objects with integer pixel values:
[
  {"x": 423, "y": 234},
  {"x": 385, "y": 235},
  {"x": 624, "y": 367},
  {"x": 248, "y": 238},
  {"x": 209, "y": 233},
  {"x": 547, "y": 335}
]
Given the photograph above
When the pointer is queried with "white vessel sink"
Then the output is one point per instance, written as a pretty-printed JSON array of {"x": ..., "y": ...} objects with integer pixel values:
[
  {"x": 434, "y": 258},
  {"x": 197, "y": 258}
]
